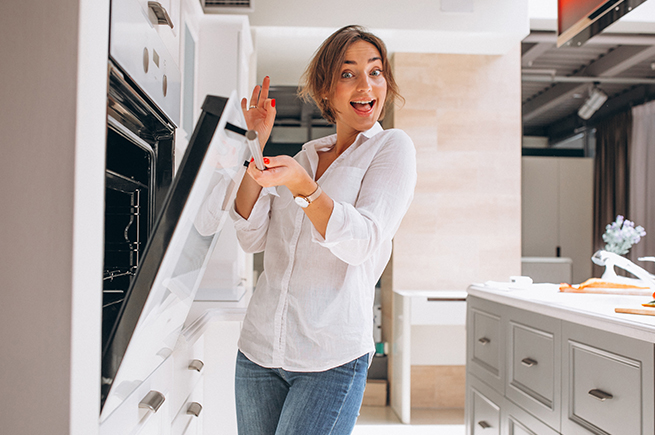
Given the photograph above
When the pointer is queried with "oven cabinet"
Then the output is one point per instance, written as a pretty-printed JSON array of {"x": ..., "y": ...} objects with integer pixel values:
[{"x": 530, "y": 373}]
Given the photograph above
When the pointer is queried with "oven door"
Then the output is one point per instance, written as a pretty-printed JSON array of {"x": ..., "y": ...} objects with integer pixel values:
[{"x": 185, "y": 232}]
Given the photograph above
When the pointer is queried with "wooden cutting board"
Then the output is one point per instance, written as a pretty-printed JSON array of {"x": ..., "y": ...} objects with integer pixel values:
[{"x": 643, "y": 311}]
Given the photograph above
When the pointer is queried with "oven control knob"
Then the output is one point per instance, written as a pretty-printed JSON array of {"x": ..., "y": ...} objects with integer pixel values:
[
  {"x": 146, "y": 60},
  {"x": 164, "y": 84}
]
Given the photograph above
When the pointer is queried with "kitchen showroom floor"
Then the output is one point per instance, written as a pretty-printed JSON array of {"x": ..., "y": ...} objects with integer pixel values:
[{"x": 378, "y": 420}]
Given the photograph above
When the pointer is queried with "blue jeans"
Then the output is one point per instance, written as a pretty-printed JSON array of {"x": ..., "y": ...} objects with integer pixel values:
[{"x": 279, "y": 402}]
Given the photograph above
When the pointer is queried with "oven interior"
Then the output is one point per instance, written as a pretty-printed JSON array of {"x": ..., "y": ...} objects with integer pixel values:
[{"x": 139, "y": 170}]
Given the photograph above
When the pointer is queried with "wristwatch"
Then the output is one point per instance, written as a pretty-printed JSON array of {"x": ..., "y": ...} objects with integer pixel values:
[{"x": 304, "y": 201}]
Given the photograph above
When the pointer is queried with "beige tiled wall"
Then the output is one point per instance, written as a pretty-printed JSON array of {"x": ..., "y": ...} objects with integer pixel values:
[{"x": 464, "y": 114}]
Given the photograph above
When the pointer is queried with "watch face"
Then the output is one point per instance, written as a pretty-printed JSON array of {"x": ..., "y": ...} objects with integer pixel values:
[{"x": 301, "y": 201}]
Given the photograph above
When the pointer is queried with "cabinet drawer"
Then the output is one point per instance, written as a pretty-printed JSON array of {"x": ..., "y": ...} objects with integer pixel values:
[
  {"x": 147, "y": 409},
  {"x": 519, "y": 422},
  {"x": 189, "y": 366},
  {"x": 485, "y": 347},
  {"x": 533, "y": 364},
  {"x": 609, "y": 381},
  {"x": 482, "y": 408},
  {"x": 188, "y": 420}
]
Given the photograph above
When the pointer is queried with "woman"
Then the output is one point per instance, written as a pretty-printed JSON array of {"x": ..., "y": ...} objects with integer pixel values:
[{"x": 325, "y": 219}]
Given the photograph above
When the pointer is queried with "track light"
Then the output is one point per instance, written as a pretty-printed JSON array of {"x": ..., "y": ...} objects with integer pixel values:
[{"x": 593, "y": 103}]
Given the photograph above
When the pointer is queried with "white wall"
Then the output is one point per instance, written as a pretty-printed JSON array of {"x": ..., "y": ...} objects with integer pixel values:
[
  {"x": 287, "y": 32},
  {"x": 52, "y": 99}
]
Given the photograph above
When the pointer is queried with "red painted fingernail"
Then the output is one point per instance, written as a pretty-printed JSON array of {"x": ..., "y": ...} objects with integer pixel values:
[
  {"x": 252, "y": 160},
  {"x": 273, "y": 102},
  {"x": 267, "y": 160}
]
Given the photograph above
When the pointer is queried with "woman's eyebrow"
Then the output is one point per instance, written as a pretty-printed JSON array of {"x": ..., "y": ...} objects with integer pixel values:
[{"x": 352, "y": 62}]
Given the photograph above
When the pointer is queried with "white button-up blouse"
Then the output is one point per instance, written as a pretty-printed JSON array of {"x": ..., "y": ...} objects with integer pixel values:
[{"x": 312, "y": 309}]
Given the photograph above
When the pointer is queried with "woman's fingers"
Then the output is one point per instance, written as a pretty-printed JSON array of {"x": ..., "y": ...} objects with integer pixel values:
[
  {"x": 263, "y": 95},
  {"x": 254, "y": 98}
]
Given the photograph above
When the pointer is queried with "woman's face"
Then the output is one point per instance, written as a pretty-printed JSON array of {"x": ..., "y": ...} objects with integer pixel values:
[{"x": 361, "y": 89}]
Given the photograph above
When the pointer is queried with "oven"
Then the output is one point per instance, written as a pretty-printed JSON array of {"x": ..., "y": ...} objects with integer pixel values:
[{"x": 160, "y": 226}]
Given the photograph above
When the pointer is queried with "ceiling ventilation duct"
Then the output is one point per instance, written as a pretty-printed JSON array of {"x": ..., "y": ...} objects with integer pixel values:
[{"x": 221, "y": 6}]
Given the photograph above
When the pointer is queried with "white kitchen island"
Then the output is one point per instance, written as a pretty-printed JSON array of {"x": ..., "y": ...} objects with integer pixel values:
[{"x": 544, "y": 362}]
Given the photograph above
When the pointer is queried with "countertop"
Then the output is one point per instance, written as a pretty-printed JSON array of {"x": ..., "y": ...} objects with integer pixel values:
[{"x": 594, "y": 310}]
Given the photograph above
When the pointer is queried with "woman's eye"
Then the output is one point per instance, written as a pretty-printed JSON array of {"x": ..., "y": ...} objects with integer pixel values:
[
  {"x": 376, "y": 73},
  {"x": 346, "y": 75}
]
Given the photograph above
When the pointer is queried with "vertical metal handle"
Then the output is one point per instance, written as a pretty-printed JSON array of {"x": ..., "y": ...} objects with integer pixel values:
[
  {"x": 600, "y": 395},
  {"x": 152, "y": 401},
  {"x": 484, "y": 341},
  {"x": 484, "y": 425},
  {"x": 196, "y": 365},
  {"x": 528, "y": 362},
  {"x": 255, "y": 149},
  {"x": 194, "y": 409}
]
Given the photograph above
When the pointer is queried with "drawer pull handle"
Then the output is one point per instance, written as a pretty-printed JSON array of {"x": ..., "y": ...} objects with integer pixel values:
[
  {"x": 484, "y": 425},
  {"x": 484, "y": 341},
  {"x": 194, "y": 409},
  {"x": 600, "y": 395},
  {"x": 196, "y": 365},
  {"x": 152, "y": 401},
  {"x": 528, "y": 362},
  {"x": 160, "y": 13}
]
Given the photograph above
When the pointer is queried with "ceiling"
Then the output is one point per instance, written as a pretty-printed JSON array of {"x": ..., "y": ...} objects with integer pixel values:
[{"x": 556, "y": 81}]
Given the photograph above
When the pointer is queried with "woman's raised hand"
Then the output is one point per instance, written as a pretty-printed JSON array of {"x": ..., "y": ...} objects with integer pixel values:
[{"x": 260, "y": 113}]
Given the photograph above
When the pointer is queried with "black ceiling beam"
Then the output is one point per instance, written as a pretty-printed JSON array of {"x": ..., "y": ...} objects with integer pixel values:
[{"x": 612, "y": 64}]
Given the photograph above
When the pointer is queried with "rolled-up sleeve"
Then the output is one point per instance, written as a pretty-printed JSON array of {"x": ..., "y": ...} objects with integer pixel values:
[
  {"x": 356, "y": 231},
  {"x": 251, "y": 232}
]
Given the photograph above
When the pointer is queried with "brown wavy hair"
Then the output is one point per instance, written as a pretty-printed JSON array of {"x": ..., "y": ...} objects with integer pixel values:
[{"x": 321, "y": 76}]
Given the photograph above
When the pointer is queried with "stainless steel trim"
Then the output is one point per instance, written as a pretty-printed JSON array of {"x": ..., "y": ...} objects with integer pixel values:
[
  {"x": 160, "y": 12},
  {"x": 152, "y": 401},
  {"x": 196, "y": 365},
  {"x": 600, "y": 395},
  {"x": 446, "y": 299},
  {"x": 115, "y": 72},
  {"x": 194, "y": 409},
  {"x": 528, "y": 362}
]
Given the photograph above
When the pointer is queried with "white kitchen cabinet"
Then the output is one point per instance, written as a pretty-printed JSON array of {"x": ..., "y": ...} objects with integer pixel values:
[
  {"x": 571, "y": 365},
  {"x": 158, "y": 401},
  {"x": 557, "y": 210}
]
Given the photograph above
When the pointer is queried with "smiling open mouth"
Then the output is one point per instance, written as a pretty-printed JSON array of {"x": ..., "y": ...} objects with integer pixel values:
[{"x": 363, "y": 106}]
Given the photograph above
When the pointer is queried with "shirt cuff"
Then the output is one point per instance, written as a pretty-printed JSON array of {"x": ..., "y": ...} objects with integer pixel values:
[
  {"x": 258, "y": 215},
  {"x": 336, "y": 227}
]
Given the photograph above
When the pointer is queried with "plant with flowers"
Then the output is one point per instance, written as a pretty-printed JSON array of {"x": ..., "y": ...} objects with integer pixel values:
[{"x": 621, "y": 234}]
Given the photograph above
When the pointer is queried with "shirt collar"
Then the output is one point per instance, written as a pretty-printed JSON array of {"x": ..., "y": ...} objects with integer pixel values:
[
  {"x": 373, "y": 130},
  {"x": 328, "y": 142}
]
